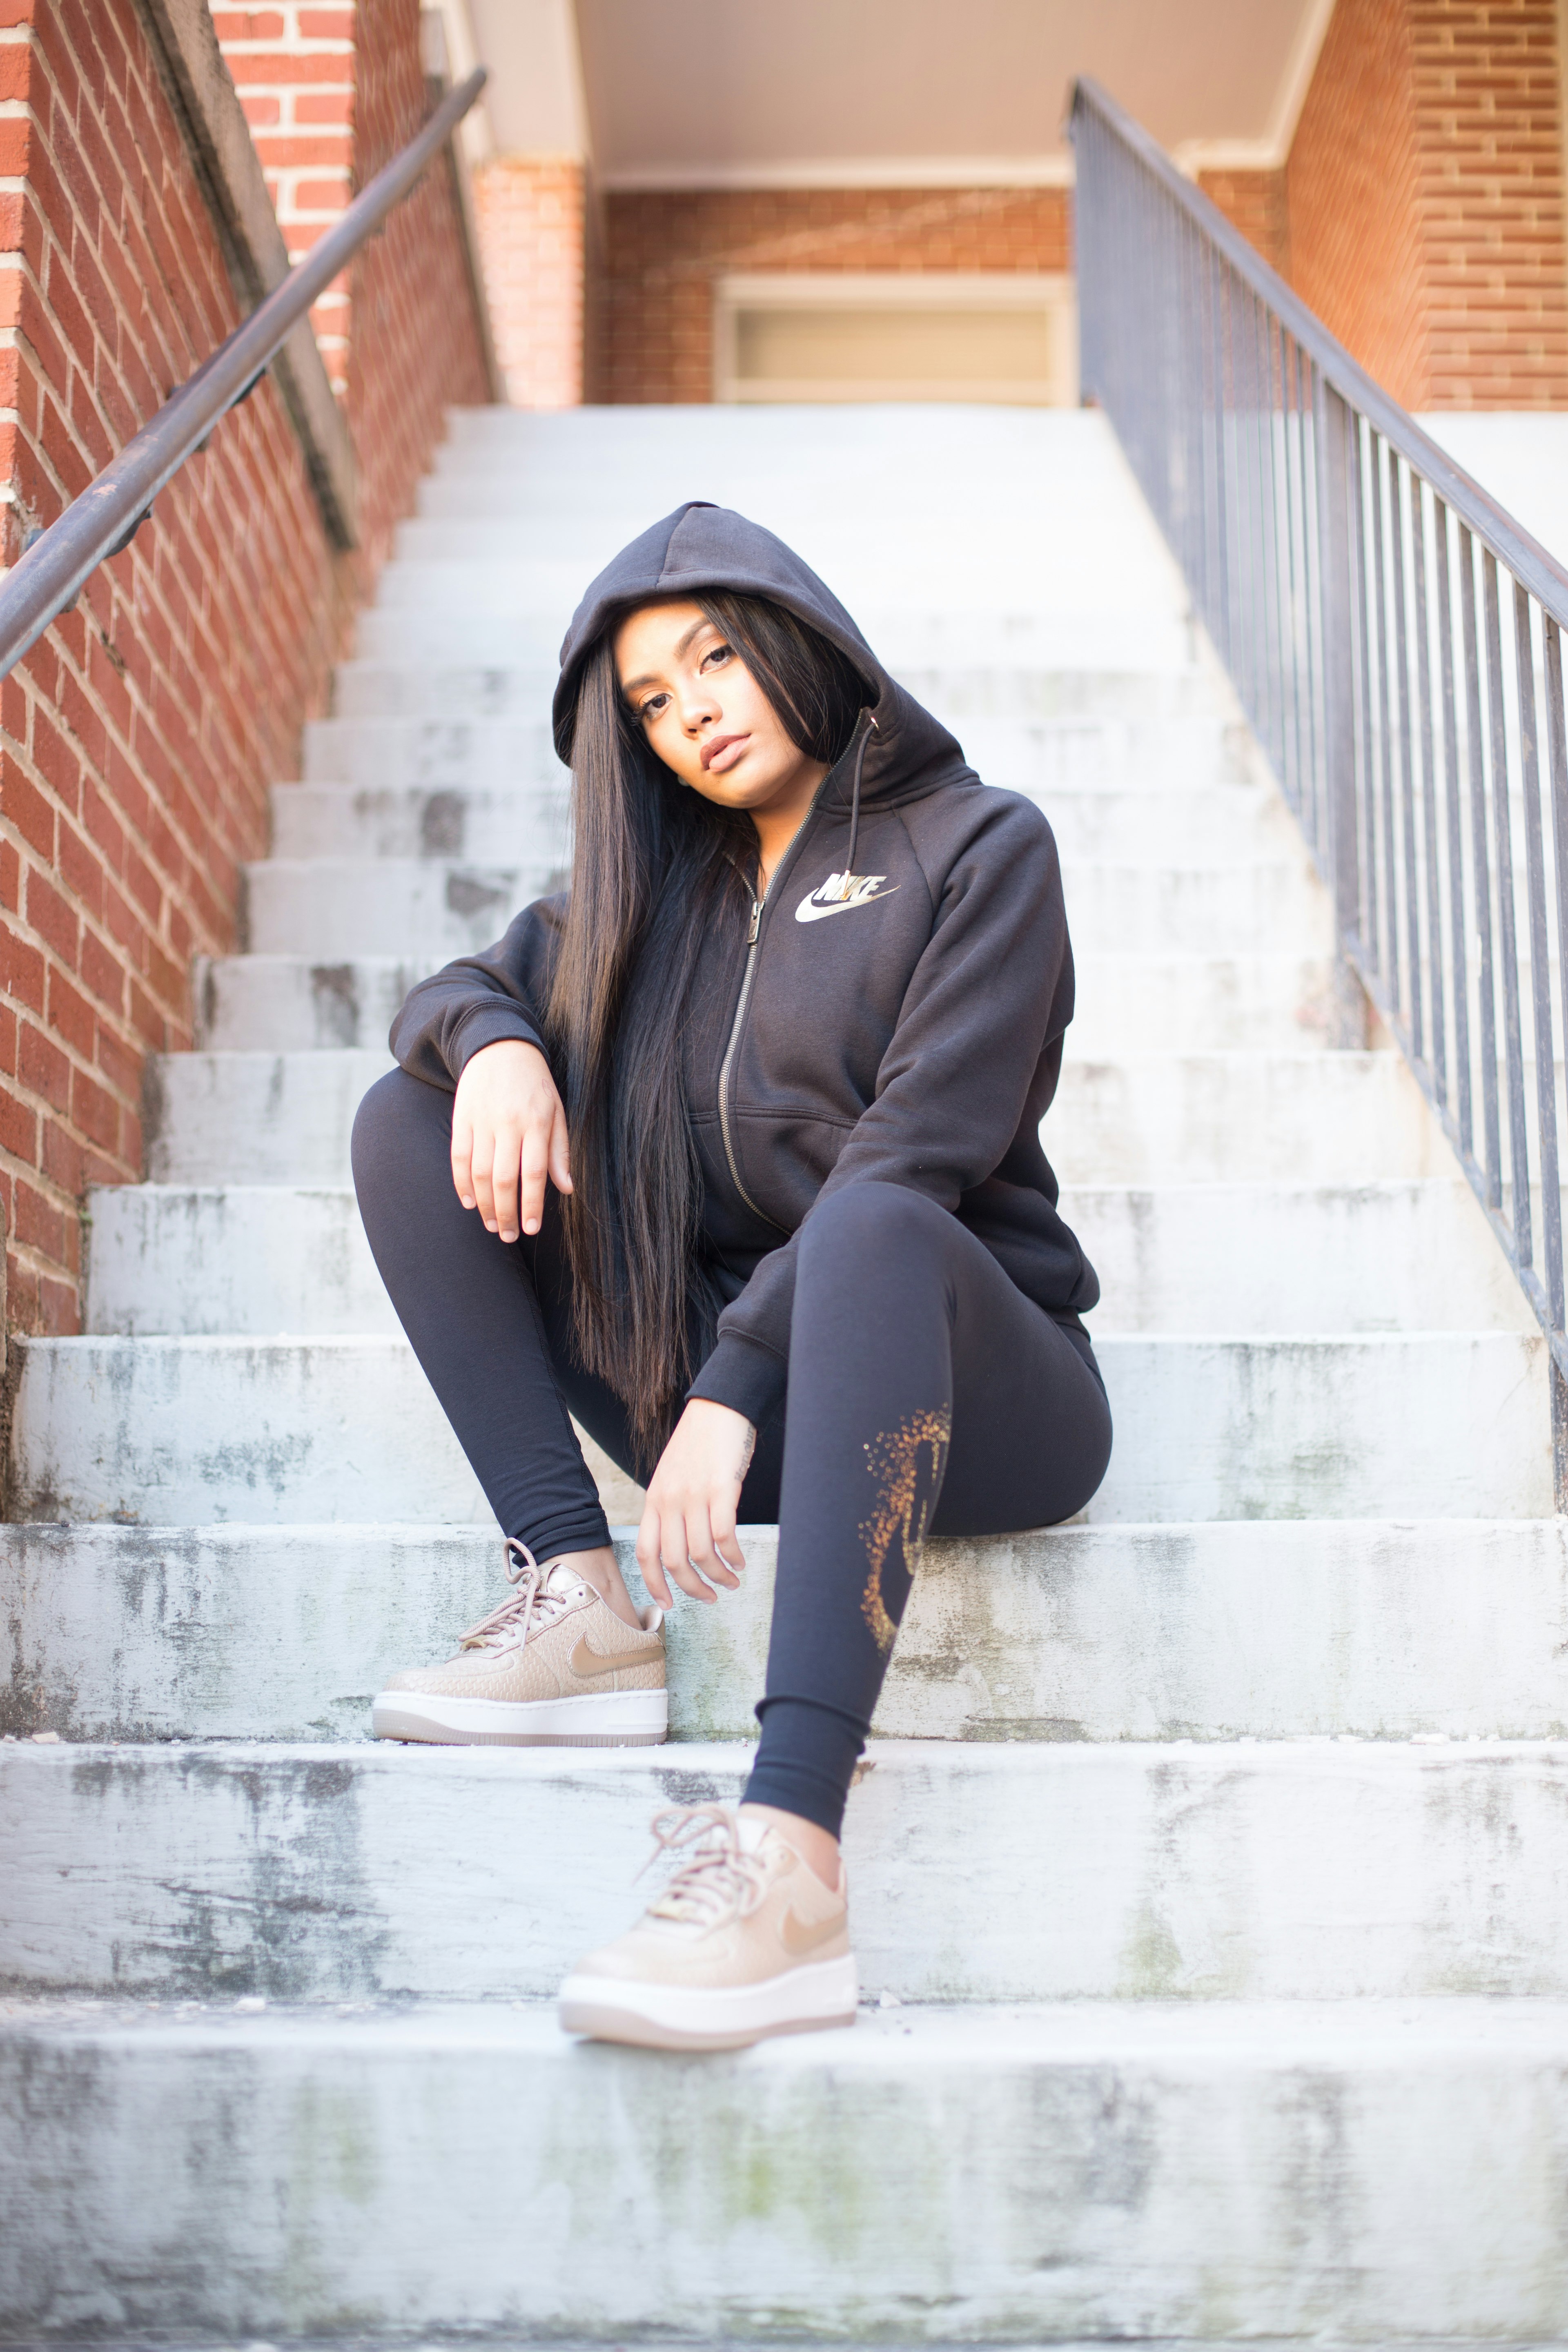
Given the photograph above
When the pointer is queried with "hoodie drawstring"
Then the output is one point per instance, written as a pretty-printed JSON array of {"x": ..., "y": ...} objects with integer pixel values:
[{"x": 866, "y": 735}]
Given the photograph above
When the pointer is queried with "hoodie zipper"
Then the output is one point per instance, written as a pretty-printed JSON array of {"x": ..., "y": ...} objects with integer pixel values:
[
  {"x": 728, "y": 1063},
  {"x": 727, "y": 1066}
]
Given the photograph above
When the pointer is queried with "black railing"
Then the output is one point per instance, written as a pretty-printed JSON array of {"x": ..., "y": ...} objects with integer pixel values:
[
  {"x": 1395, "y": 640},
  {"x": 48, "y": 579}
]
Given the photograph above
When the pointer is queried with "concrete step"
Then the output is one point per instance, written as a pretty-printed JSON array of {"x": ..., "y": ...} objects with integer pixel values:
[
  {"x": 238, "y": 1258},
  {"x": 252, "y": 1004},
  {"x": 1131, "y": 1118},
  {"x": 495, "y": 823},
  {"x": 487, "y": 825},
  {"x": 1212, "y": 1119},
  {"x": 1391, "y": 1256},
  {"x": 183, "y": 1430},
  {"x": 1131, "y": 1004},
  {"x": 1177, "y": 1259},
  {"x": 273, "y": 1119},
  {"x": 328, "y": 907},
  {"x": 449, "y": 616},
  {"x": 392, "y": 754},
  {"x": 1292, "y": 1870},
  {"x": 1379, "y": 2173},
  {"x": 1126, "y": 1004},
  {"x": 1041, "y": 755},
  {"x": 332, "y": 907},
  {"x": 470, "y": 687},
  {"x": 1223, "y": 1630}
]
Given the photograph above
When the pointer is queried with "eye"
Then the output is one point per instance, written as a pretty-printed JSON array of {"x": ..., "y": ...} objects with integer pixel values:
[
  {"x": 717, "y": 653},
  {"x": 653, "y": 706}
]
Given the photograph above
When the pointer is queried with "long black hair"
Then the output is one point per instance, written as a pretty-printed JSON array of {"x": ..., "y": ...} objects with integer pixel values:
[{"x": 653, "y": 865}]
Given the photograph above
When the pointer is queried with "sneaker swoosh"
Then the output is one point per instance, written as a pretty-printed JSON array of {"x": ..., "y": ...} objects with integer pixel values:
[
  {"x": 808, "y": 910},
  {"x": 588, "y": 1666},
  {"x": 798, "y": 1936}
]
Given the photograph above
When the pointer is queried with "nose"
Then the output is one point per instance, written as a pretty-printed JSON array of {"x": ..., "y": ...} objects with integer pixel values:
[{"x": 699, "y": 706}]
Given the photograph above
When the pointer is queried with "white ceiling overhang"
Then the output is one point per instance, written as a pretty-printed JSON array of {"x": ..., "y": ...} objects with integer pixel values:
[{"x": 836, "y": 93}]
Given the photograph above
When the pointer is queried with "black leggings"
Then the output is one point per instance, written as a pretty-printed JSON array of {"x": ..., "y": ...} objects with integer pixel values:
[{"x": 926, "y": 1396}]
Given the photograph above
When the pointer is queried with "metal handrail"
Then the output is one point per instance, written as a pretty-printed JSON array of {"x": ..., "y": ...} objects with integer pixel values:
[
  {"x": 50, "y": 576},
  {"x": 1360, "y": 589}
]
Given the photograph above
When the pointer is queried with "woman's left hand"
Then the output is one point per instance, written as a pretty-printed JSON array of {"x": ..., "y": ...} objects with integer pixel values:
[{"x": 689, "y": 1522}]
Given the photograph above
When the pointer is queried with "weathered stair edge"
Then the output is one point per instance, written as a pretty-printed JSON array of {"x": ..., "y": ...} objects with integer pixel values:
[
  {"x": 1209, "y": 1631},
  {"x": 175, "y": 1430},
  {"x": 1065, "y": 2173},
  {"x": 1292, "y": 1870}
]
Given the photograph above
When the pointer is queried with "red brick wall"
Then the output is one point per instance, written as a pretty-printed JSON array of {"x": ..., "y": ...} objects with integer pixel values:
[
  {"x": 1488, "y": 109},
  {"x": 530, "y": 224},
  {"x": 1425, "y": 192},
  {"x": 138, "y": 737},
  {"x": 1357, "y": 253},
  {"x": 1254, "y": 202},
  {"x": 652, "y": 339},
  {"x": 293, "y": 64}
]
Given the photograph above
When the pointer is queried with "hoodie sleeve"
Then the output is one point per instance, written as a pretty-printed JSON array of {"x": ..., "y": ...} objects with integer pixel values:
[
  {"x": 446, "y": 1020},
  {"x": 992, "y": 991}
]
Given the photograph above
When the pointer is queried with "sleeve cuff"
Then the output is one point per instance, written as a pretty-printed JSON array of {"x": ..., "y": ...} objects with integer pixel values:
[
  {"x": 745, "y": 1374},
  {"x": 489, "y": 1024}
]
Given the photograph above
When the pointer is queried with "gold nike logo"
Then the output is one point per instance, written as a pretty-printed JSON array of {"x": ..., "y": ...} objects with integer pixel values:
[
  {"x": 589, "y": 1666},
  {"x": 798, "y": 1938}
]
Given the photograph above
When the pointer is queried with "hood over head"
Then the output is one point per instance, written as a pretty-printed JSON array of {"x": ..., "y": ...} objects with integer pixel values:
[{"x": 704, "y": 546}]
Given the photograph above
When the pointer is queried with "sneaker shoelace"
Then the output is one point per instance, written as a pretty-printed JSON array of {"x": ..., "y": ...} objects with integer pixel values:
[
  {"x": 714, "y": 1878},
  {"x": 528, "y": 1609}
]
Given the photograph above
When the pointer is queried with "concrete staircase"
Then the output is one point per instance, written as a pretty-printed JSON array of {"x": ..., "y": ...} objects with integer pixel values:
[{"x": 1208, "y": 1866}]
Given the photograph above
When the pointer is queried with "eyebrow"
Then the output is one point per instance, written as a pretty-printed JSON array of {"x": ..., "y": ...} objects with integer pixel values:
[{"x": 650, "y": 678}]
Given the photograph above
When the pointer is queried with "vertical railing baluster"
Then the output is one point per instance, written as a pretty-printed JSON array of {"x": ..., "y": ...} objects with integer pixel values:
[
  {"x": 1273, "y": 634},
  {"x": 1455, "y": 827},
  {"x": 1540, "y": 955},
  {"x": 1387, "y": 722},
  {"x": 1406, "y": 799},
  {"x": 1336, "y": 461},
  {"x": 1435, "y": 998},
  {"x": 1368, "y": 769},
  {"x": 1490, "y": 1107},
  {"x": 1508, "y": 929},
  {"x": 1552, "y": 1204}
]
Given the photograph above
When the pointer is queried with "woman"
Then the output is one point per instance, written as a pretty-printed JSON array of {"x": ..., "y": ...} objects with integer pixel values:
[{"x": 733, "y": 1152}]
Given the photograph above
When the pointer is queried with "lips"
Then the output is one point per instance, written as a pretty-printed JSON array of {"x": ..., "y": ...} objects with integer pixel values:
[{"x": 717, "y": 755}]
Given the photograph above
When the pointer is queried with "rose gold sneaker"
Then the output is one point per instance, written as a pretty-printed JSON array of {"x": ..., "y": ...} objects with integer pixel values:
[
  {"x": 552, "y": 1667},
  {"x": 744, "y": 1941}
]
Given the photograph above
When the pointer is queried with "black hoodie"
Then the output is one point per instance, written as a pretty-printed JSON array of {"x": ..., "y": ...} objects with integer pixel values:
[{"x": 904, "y": 1027}]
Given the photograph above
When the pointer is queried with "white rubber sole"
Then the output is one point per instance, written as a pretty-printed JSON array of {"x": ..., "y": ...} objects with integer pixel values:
[
  {"x": 807, "y": 1999},
  {"x": 638, "y": 1719}
]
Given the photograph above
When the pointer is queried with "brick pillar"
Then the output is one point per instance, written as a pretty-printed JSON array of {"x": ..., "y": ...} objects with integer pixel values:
[
  {"x": 1425, "y": 199},
  {"x": 531, "y": 223}
]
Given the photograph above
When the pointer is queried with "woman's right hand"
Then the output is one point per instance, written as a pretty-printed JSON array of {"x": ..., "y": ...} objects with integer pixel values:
[{"x": 509, "y": 1133}]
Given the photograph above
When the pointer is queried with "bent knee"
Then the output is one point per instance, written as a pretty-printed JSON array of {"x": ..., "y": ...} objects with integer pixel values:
[
  {"x": 395, "y": 1113},
  {"x": 864, "y": 1219}
]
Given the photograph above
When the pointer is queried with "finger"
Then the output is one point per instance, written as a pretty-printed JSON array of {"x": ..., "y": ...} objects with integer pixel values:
[
  {"x": 462, "y": 1157},
  {"x": 559, "y": 1152},
  {"x": 675, "y": 1554},
  {"x": 503, "y": 1181},
  {"x": 704, "y": 1551},
  {"x": 482, "y": 1167},
  {"x": 648, "y": 1558},
  {"x": 726, "y": 1543},
  {"x": 535, "y": 1163}
]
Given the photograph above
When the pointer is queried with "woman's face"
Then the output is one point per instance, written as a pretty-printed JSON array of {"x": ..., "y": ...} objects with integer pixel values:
[{"x": 703, "y": 713}]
